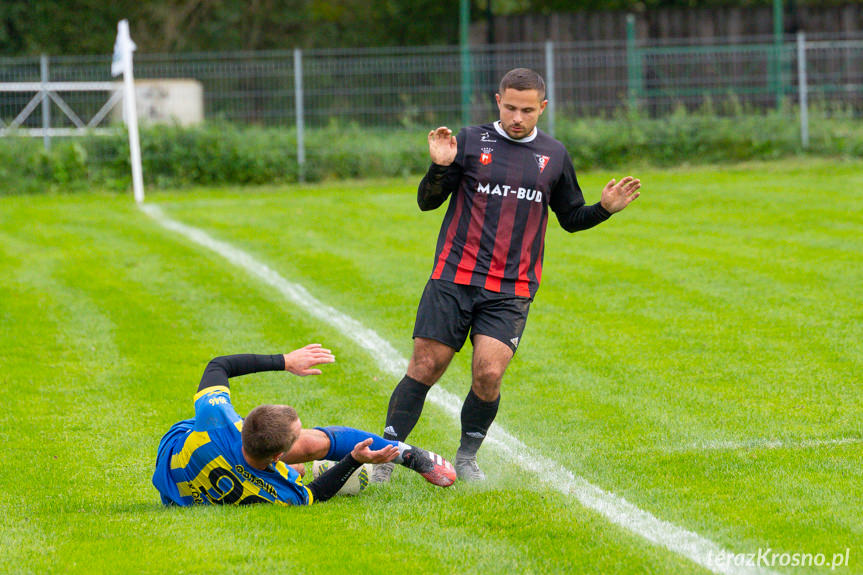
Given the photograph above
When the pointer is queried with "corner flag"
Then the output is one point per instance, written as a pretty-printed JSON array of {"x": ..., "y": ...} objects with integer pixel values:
[{"x": 121, "y": 63}]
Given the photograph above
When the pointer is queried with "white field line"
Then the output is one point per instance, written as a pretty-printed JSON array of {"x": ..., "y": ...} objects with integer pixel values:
[
  {"x": 613, "y": 507},
  {"x": 769, "y": 444}
]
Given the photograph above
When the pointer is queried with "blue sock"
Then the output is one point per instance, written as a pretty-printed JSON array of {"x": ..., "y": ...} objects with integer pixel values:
[{"x": 343, "y": 440}]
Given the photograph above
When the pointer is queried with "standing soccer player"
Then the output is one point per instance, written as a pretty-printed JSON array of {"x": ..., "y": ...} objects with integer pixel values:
[{"x": 502, "y": 177}]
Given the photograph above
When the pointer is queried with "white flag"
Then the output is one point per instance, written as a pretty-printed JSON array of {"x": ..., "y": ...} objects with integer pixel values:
[
  {"x": 117, "y": 60},
  {"x": 123, "y": 45}
]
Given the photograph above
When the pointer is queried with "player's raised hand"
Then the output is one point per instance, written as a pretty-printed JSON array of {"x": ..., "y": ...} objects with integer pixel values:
[
  {"x": 442, "y": 146},
  {"x": 301, "y": 361},
  {"x": 618, "y": 195},
  {"x": 363, "y": 454}
]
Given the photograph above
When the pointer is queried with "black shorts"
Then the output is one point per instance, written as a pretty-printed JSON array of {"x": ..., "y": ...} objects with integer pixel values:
[{"x": 448, "y": 311}]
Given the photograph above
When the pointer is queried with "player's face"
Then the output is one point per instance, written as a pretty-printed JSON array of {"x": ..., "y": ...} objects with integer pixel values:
[{"x": 519, "y": 111}]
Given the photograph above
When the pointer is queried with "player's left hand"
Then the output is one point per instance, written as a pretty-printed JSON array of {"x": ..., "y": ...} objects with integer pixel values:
[
  {"x": 618, "y": 195},
  {"x": 363, "y": 454},
  {"x": 300, "y": 361}
]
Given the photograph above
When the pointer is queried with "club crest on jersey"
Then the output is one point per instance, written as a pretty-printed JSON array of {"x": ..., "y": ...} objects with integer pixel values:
[
  {"x": 541, "y": 161},
  {"x": 485, "y": 157}
]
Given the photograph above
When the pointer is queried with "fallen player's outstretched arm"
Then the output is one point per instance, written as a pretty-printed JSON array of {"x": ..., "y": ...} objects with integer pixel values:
[
  {"x": 299, "y": 362},
  {"x": 220, "y": 369}
]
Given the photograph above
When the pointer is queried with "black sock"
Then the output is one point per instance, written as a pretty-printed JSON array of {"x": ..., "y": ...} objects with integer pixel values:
[
  {"x": 476, "y": 417},
  {"x": 406, "y": 406}
]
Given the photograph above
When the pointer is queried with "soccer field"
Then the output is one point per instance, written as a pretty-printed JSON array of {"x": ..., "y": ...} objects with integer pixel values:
[{"x": 694, "y": 363}]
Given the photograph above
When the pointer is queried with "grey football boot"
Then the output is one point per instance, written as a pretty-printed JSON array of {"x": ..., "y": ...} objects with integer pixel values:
[{"x": 467, "y": 468}]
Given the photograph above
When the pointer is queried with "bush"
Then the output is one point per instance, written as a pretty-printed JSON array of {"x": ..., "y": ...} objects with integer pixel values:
[
  {"x": 687, "y": 137},
  {"x": 224, "y": 153},
  {"x": 26, "y": 167}
]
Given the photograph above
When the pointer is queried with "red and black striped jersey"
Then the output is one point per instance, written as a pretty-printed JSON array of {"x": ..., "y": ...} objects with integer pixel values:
[{"x": 493, "y": 233}]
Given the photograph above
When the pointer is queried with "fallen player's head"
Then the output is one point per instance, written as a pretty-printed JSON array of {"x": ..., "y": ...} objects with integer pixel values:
[{"x": 269, "y": 430}]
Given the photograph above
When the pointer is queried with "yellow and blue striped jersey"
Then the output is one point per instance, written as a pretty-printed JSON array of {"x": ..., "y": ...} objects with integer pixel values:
[{"x": 200, "y": 461}]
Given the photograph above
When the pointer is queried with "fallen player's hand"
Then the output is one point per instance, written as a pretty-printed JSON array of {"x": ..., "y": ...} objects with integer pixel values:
[
  {"x": 300, "y": 361},
  {"x": 363, "y": 454}
]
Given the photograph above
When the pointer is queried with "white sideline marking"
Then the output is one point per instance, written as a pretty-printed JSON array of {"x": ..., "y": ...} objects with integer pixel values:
[
  {"x": 613, "y": 507},
  {"x": 771, "y": 444}
]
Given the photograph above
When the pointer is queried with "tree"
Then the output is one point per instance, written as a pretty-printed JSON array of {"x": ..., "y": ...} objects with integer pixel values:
[
  {"x": 90, "y": 26},
  {"x": 61, "y": 26}
]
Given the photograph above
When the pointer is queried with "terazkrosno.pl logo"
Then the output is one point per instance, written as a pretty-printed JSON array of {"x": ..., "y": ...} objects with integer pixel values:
[{"x": 767, "y": 557}]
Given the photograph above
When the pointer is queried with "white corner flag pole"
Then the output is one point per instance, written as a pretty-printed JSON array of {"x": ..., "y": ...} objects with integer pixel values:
[{"x": 122, "y": 64}]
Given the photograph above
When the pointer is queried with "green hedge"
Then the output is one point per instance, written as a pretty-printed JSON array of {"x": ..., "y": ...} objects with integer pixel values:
[
  {"x": 222, "y": 153},
  {"x": 687, "y": 138}
]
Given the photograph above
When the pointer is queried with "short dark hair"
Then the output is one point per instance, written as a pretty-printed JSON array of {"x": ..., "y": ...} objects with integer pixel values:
[
  {"x": 268, "y": 430},
  {"x": 523, "y": 79}
]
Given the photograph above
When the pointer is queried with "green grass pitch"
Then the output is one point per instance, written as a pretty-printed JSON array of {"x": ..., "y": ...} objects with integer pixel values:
[{"x": 699, "y": 355}]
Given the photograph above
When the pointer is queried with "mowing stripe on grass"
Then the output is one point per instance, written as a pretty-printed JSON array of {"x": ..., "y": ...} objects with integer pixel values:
[
  {"x": 770, "y": 444},
  {"x": 613, "y": 507}
]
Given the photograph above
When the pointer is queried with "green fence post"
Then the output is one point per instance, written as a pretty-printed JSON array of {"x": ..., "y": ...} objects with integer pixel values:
[
  {"x": 778, "y": 31},
  {"x": 299, "y": 110},
  {"x": 466, "y": 80},
  {"x": 633, "y": 64}
]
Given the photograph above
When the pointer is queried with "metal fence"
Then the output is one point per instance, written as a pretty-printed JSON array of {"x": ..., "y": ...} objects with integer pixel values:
[{"x": 423, "y": 86}]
